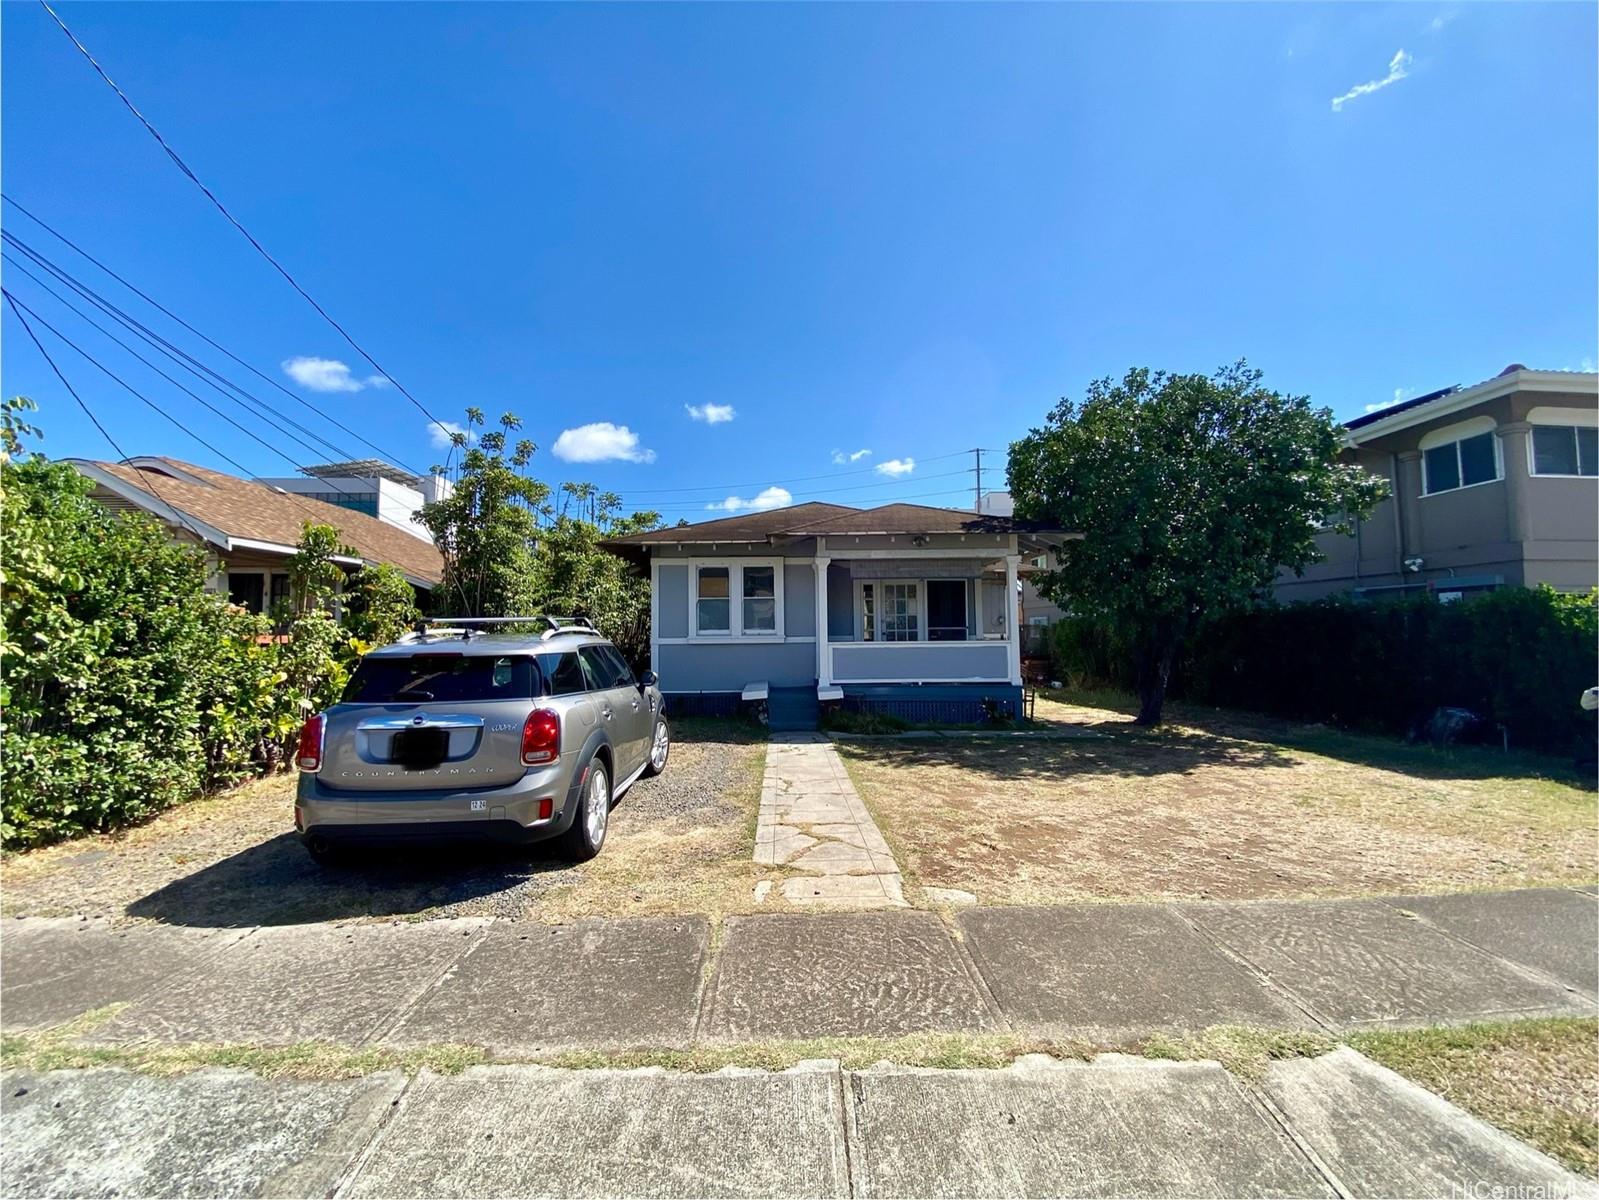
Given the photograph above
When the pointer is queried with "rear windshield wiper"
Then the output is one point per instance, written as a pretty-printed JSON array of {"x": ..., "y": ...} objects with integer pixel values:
[{"x": 417, "y": 692}]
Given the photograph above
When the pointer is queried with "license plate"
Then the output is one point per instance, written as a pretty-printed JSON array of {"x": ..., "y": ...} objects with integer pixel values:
[{"x": 480, "y": 805}]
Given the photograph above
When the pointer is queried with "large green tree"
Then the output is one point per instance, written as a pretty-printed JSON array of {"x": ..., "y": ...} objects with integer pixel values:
[{"x": 1191, "y": 492}]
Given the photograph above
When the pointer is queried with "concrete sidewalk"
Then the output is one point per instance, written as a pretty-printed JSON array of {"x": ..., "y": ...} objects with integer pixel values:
[
  {"x": 1102, "y": 973},
  {"x": 1335, "y": 1125}
]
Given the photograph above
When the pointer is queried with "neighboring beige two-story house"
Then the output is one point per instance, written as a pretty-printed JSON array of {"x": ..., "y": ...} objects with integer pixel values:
[{"x": 1494, "y": 485}]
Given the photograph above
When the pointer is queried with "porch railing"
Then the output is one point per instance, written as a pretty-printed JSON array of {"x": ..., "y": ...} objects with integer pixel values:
[{"x": 919, "y": 662}]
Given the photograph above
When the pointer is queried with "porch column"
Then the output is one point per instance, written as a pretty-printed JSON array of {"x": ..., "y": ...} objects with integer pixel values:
[
  {"x": 824, "y": 663},
  {"x": 1013, "y": 605}
]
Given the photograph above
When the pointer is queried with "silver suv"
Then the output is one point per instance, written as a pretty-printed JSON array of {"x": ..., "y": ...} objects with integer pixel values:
[{"x": 513, "y": 731}]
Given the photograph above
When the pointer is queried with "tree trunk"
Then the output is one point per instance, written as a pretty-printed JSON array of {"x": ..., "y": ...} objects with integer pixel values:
[{"x": 1154, "y": 671}]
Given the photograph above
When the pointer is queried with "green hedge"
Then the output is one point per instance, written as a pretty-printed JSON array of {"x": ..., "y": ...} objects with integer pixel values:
[
  {"x": 125, "y": 686},
  {"x": 1519, "y": 657}
]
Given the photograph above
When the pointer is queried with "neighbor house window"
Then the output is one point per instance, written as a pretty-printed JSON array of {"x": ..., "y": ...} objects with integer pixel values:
[
  {"x": 1565, "y": 450},
  {"x": 760, "y": 599},
  {"x": 713, "y": 606},
  {"x": 1461, "y": 463}
]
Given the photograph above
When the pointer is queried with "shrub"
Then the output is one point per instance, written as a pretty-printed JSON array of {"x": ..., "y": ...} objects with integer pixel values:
[
  {"x": 104, "y": 620},
  {"x": 1519, "y": 657}
]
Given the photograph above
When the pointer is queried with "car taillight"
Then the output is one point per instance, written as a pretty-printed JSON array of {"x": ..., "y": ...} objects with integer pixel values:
[
  {"x": 308, "y": 755},
  {"x": 541, "y": 737}
]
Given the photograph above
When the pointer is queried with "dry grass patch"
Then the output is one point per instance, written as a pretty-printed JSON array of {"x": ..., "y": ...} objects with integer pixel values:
[
  {"x": 1538, "y": 1080},
  {"x": 1219, "y": 806}
]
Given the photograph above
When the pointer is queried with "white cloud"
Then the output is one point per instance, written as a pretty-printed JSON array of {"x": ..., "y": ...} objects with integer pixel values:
[
  {"x": 896, "y": 467},
  {"x": 328, "y": 375},
  {"x": 772, "y": 497},
  {"x": 1400, "y": 394},
  {"x": 441, "y": 438},
  {"x": 848, "y": 456},
  {"x": 711, "y": 414},
  {"x": 600, "y": 441},
  {"x": 1397, "y": 70},
  {"x": 1438, "y": 22}
]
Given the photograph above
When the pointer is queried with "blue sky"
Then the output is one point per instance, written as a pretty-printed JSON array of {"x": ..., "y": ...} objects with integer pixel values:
[{"x": 898, "y": 229}]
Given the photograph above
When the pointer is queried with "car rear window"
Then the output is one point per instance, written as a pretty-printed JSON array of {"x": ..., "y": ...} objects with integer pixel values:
[{"x": 442, "y": 678}]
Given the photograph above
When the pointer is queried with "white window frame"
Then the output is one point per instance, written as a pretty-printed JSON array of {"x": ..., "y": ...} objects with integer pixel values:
[
  {"x": 1453, "y": 435},
  {"x": 921, "y": 609},
  {"x": 735, "y": 600},
  {"x": 1564, "y": 418}
]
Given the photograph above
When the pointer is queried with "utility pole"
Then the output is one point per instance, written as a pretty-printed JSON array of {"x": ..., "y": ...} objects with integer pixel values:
[{"x": 978, "y": 506}]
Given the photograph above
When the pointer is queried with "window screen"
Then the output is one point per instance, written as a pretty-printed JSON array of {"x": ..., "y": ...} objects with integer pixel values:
[{"x": 1461, "y": 464}]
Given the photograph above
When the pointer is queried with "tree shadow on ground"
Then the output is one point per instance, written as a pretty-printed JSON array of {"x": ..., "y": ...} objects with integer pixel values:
[
  {"x": 1118, "y": 753},
  {"x": 275, "y": 882},
  {"x": 1378, "y": 751}
]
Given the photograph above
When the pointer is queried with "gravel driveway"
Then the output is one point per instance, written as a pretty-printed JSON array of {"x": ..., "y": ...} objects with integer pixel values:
[{"x": 233, "y": 859}]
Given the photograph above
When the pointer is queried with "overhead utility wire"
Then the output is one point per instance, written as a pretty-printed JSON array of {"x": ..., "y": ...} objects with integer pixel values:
[
  {"x": 148, "y": 484},
  {"x": 217, "y": 346},
  {"x": 715, "y": 507},
  {"x": 234, "y": 221},
  {"x": 266, "y": 413},
  {"x": 718, "y": 487},
  {"x": 860, "y": 487},
  {"x": 333, "y": 485},
  {"x": 193, "y": 365},
  {"x": 148, "y": 403}
]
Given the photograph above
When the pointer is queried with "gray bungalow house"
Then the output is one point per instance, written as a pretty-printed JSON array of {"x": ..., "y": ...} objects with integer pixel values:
[{"x": 904, "y": 608}]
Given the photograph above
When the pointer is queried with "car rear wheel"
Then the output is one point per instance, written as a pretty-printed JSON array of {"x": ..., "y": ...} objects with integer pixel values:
[
  {"x": 583, "y": 841},
  {"x": 660, "y": 748}
]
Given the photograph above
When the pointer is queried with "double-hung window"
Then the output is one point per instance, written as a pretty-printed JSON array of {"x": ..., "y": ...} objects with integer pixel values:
[
  {"x": 734, "y": 599},
  {"x": 1450, "y": 462},
  {"x": 1565, "y": 450}
]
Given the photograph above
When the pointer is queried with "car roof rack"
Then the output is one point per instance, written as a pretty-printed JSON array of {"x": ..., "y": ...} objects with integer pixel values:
[{"x": 467, "y": 627}]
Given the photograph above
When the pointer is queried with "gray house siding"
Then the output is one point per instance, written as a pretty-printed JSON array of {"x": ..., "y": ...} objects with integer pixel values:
[
  {"x": 729, "y": 666},
  {"x": 840, "y": 603},
  {"x": 799, "y": 600}
]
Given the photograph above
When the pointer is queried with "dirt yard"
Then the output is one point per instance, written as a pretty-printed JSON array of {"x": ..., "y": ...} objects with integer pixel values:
[
  {"x": 678, "y": 843},
  {"x": 1217, "y": 806}
]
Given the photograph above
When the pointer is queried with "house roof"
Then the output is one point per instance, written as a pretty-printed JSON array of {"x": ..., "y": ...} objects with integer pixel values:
[
  {"x": 231, "y": 513},
  {"x": 817, "y": 519},
  {"x": 1514, "y": 378}
]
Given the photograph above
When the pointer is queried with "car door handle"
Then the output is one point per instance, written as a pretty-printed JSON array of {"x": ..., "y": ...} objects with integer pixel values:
[
  {"x": 635, "y": 706},
  {"x": 606, "y": 712}
]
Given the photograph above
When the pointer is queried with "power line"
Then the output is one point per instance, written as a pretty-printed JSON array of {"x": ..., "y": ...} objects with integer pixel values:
[
  {"x": 801, "y": 500},
  {"x": 722, "y": 487},
  {"x": 249, "y": 433},
  {"x": 234, "y": 221},
  {"x": 152, "y": 405},
  {"x": 217, "y": 346},
  {"x": 266, "y": 413},
  {"x": 863, "y": 487},
  {"x": 148, "y": 484},
  {"x": 160, "y": 344}
]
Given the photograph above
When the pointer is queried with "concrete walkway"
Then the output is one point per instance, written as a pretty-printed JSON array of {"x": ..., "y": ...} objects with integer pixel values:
[
  {"x": 1338, "y": 1125},
  {"x": 812, "y": 821},
  {"x": 1104, "y": 973}
]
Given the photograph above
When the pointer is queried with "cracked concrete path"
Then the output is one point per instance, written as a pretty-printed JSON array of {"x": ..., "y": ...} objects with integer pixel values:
[{"x": 813, "y": 821}]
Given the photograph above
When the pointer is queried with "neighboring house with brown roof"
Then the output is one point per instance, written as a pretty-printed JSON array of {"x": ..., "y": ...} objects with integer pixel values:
[
  {"x": 251, "y": 529},
  {"x": 903, "y": 608},
  {"x": 1493, "y": 485}
]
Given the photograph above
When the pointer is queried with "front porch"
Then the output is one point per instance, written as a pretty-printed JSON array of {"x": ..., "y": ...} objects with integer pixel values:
[{"x": 920, "y": 634}]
